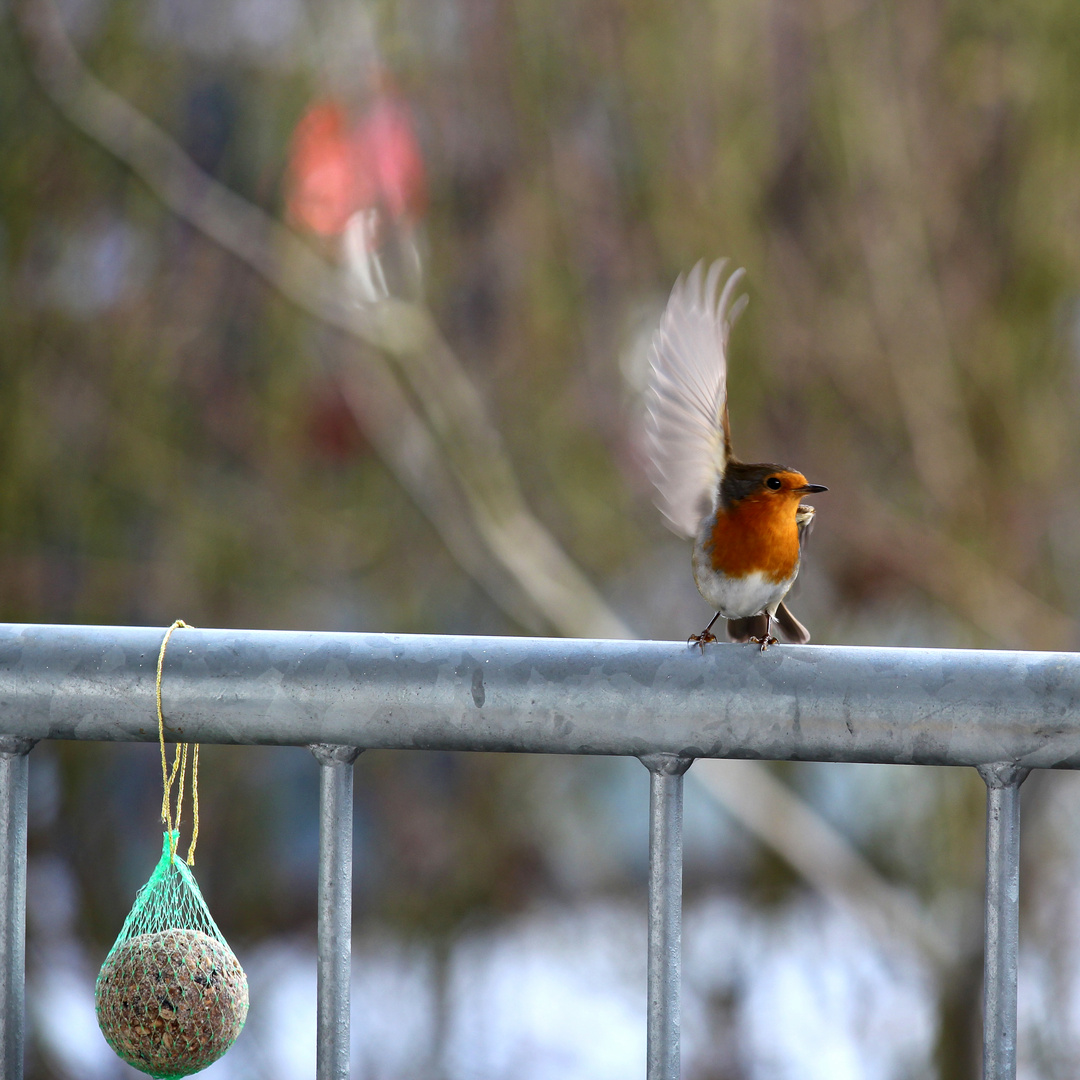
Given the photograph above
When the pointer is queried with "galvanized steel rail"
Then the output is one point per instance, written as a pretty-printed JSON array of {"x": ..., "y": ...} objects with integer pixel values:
[
  {"x": 663, "y": 1049},
  {"x": 1003, "y": 713},
  {"x": 335, "y": 907}
]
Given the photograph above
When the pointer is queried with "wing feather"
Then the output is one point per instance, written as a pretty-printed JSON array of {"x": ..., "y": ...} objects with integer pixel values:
[
  {"x": 686, "y": 415},
  {"x": 804, "y": 522}
]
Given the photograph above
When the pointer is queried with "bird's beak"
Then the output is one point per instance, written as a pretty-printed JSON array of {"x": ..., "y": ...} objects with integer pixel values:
[{"x": 809, "y": 489}]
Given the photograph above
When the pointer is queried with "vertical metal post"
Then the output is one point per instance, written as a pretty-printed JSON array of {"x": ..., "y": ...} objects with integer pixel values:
[
  {"x": 1002, "y": 940},
  {"x": 665, "y": 912},
  {"x": 335, "y": 908},
  {"x": 14, "y": 777}
]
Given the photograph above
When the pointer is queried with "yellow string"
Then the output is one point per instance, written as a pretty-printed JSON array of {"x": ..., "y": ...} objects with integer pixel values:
[
  {"x": 194, "y": 803},
  {"x": 179, "y": 767},
  {"x": 181, "y": 749}
]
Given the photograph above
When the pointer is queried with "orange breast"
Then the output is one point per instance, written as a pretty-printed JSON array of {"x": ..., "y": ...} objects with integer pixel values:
[{"x": 759, "y": 534}]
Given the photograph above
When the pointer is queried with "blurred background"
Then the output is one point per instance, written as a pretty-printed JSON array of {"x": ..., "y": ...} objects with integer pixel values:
[{"x": 335, "y": 315}]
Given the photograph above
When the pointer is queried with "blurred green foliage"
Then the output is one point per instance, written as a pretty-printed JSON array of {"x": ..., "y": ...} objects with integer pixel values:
[{"x": 902, "y": 182}]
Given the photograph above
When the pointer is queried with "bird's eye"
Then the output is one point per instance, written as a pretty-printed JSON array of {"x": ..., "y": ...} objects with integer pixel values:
[{"x": 774, "y": 482}]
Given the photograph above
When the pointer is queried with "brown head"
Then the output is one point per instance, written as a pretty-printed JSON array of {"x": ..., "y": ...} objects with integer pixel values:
[{"x": 777, "y": 484}]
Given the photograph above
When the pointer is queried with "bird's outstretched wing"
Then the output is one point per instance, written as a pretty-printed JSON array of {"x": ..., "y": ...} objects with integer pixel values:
[{"x": 686, "y": 423}]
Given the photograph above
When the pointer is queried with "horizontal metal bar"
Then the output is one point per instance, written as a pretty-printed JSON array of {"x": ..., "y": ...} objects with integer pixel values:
[{"x": 545, "y": 695}]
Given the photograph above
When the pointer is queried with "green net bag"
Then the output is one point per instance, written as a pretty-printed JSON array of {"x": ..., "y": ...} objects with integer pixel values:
[{"x": 171, "y": 997}]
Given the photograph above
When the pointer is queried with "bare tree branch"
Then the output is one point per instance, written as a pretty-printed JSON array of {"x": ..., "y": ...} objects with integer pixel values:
[{"x": 466, "y": 441}]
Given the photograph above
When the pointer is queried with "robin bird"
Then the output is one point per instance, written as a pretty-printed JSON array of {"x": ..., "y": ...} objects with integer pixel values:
[{"x": 747, "y": 522}]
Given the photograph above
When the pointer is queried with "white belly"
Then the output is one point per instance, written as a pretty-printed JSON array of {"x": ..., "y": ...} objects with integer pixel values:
[{"x": 739, "y": 598}]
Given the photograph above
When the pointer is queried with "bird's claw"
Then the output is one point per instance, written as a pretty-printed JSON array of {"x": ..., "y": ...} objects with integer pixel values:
[
  {"x": 701, "y": 640},
  {"x": 764, "y": 642}
]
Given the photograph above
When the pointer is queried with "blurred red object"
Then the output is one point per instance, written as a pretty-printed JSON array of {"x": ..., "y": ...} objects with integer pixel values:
[
  {"x": 338, "y": 168},
  {"x": 332, "y": 430}
]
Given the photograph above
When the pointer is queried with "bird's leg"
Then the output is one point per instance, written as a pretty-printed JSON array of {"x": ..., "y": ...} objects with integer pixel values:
[
  {"x": 702, "y": 639},
  {"x": 768, "y": 639}
]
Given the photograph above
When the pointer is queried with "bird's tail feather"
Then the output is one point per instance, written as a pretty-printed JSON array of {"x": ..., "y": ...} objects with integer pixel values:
[{"x": 754, "y": 627}]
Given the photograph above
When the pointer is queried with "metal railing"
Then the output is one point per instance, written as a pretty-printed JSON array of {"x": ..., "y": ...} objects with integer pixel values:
[{"x": 1003, "y": 713}]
